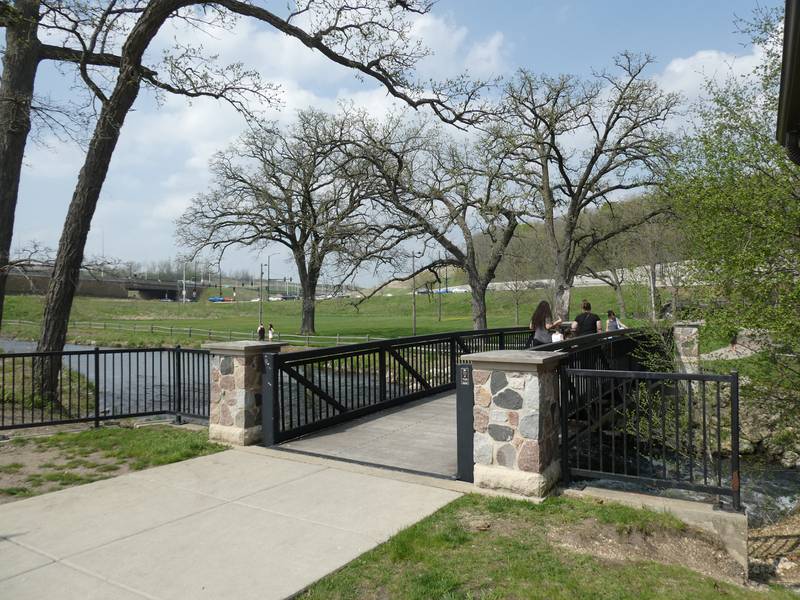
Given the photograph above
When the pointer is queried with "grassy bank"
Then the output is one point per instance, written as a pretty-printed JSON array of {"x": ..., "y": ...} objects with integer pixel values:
[
  {"x": 35, "y": 465},
  {"x": 494, "y": 548},
  {"x": 383, "y": 316}
]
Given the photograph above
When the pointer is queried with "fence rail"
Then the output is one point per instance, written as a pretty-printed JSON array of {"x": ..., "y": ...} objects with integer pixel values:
[
  {"x": 211, "y": 334},
  {"x": 308, "y": 390},
  {"x": 676, "y": 430},
  {"x": 51, "y": 388}
]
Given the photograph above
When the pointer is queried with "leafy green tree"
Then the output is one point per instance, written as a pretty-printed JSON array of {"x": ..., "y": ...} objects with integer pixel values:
[{"x": 738, "y": 196}]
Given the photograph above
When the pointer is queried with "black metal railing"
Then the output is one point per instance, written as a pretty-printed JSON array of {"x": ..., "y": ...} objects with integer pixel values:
[
  {"x": 678, "y": 430},
  {"x": 306, "y": 391},
  {"x": 50, "y": 388}
]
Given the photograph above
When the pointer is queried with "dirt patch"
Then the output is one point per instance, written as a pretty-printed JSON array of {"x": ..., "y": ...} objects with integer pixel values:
[
  {"x": 28, "y": 469},
  {"x": 690, "y": 549}
]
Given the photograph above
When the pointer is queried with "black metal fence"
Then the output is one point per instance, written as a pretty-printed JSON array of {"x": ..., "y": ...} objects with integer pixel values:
[
  {"x": 306, "y": 391},
  {"x": 678, "y": 430},
  {"x": 51, "y": 388}
]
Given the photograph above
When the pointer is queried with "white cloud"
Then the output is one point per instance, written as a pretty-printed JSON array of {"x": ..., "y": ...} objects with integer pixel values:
[
  {"x": 488, "y": 58},
  {"x": 689, "y": 76}
]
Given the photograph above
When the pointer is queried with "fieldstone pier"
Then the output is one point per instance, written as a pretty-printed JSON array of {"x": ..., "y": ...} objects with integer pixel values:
[
  {"x": 516, "y": 423},
  {"x": 237, "y": 369}
]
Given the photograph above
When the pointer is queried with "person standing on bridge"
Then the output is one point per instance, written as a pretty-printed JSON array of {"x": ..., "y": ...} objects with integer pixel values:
[
  {"x": 613, "y": 323},
  {"x": 542, "y": 325},
  {"x": 587, "y": 322},
  {"x": 261, "y": 331}
]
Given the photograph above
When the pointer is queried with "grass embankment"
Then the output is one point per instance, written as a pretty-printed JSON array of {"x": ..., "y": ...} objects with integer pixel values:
[
  {"x": 496, "y": 548},
  {"x": 382, "y": 316},
  {"x": 34, "y": 465}
]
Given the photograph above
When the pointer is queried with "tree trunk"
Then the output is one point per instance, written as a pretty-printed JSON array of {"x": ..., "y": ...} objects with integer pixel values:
[
  {"x": 623, "y": 313},
  {"x": 309, "y": 310},
  {"x": 478, "y": 290},
  {"x": 20, "y": 62},
  {"x": 562, "y": 298},
  {"x": 653, "y": 292},
  {"x": 516, "y": 311},
  {"x": 66, "y": 271},
  {"x": 64, "y": 279}
]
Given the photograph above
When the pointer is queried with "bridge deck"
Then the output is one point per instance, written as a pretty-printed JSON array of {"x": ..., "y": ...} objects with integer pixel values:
[{"x": 419, "y": 436}]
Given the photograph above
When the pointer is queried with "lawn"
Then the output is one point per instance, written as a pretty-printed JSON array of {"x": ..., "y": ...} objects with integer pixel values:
[
  {"x": 382, "y": 316},
  {"x": 35, "y": 465},
  {"x": 496, "y": 548}
]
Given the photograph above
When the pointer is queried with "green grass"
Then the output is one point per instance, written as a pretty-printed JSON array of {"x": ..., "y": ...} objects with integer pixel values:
[
  {"x": 86, "y": 456},
  {"x": 382, "y": 316},
  {"x": 22, "y": 492},
  {"x": 445, "y": 557},
  {"x": 141, "y": 448}
]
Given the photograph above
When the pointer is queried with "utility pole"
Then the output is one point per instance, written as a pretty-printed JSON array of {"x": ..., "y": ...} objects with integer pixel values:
[
  {"x": 183, "y": 292},
  {"x": 413, "y": 294}
]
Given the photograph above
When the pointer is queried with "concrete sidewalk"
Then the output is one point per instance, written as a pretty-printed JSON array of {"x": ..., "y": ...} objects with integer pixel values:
[{"x": 245, "y": 523}]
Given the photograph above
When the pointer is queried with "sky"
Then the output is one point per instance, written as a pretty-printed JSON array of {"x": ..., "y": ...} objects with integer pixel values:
[{"x": 162, "y": 157}]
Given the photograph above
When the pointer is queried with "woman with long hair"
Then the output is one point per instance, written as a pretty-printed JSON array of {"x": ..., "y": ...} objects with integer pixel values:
[
  {"x": 542, "y": 324},
  {"x": 613, "y": 323}
]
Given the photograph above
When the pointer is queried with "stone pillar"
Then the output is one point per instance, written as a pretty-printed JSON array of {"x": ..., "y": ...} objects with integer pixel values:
[
  {"x": 516, "y": 420},
  {"x": 687, "y": 345},
  {"x": 236, "y": 380}
]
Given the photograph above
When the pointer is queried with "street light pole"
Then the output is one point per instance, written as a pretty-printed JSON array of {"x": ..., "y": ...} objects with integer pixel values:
[
  {"x": 440, "y": 292},
  {"x": 268, "y": 273},
  {"x": 261, "y": 296},
  {"x": 413, "y": 294}
]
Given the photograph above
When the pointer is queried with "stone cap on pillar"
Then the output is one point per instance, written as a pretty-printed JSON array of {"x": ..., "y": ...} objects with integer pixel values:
[
  {"x": 513, "y": 360},
  {"x": 243, "y": 348}
]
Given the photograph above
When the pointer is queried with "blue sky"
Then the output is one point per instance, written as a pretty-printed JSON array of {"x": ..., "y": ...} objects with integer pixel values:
[{"x": 163, "y": 152}]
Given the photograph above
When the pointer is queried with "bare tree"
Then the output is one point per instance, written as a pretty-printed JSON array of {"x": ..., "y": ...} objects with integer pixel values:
[
  {"x": 439, "y": 193},
  {"x": 580, "y": 143},
  {"x": 298, "y": 188},
  {"x": 65, "y": 22},
  {"x": 518, "y": 284},
  {"x": 366, "y": 35}
]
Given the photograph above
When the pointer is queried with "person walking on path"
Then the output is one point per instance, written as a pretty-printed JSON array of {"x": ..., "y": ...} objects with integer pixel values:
[
  {"x": 261, "y": 331},
  {"x": 587, "y": 322},
  {"x": 270, "y": 332},
  {"x": 613, "y": 323},
  {"x": 542, "y": 324}
]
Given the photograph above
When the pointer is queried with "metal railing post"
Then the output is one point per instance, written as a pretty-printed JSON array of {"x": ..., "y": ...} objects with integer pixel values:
[
  {"x": 564, "y": 416},
  {"x": 382, "y": 373},
  {"x": 735, "y": 481},
  {"x": 453, "y": 374},
  {"x": 269, "y": 404},
  {"x": 178, "y": 385},
  {"x": 96, "y": 386},
  {"x": 465, "y": 424}
]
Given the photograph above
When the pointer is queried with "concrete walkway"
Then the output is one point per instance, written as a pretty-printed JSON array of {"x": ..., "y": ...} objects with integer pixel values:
[
  {"x": 245, "y": 523},
  {"x": 419, "y": 436}
]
